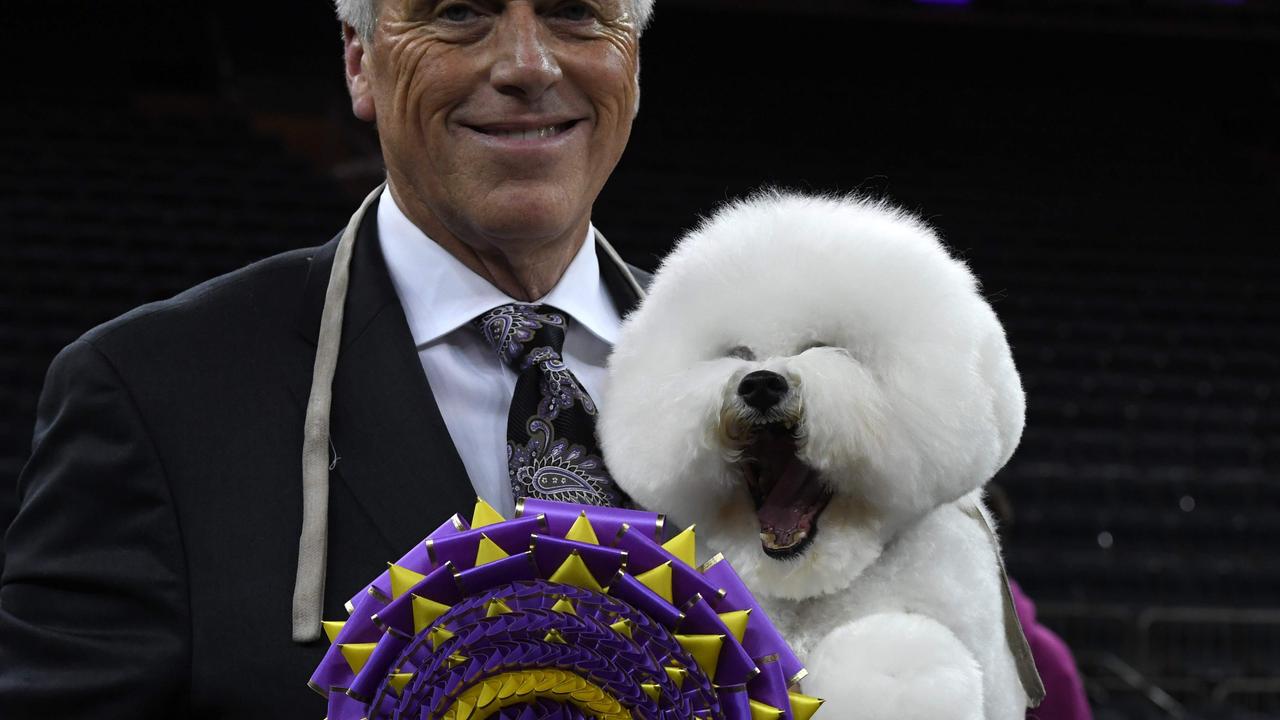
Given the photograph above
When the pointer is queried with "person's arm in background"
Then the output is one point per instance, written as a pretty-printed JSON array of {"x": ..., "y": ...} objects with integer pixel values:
[
  {"x": 93, "y": 599},
  {"x": 1064, "y": 691}
]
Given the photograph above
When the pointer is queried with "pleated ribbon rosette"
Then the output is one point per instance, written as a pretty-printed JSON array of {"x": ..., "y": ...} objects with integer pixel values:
[{"x": 566, "y": 612}]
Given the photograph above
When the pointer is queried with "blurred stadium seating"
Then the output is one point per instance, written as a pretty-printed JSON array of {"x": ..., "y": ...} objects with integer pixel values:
[{"x": 1111, "y": 170}]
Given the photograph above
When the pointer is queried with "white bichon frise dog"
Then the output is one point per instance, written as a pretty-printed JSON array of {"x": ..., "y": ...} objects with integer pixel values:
[{"x": 821, "y": 387}]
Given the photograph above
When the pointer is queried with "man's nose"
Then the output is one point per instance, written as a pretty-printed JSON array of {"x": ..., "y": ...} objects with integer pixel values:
[{"x": 526, "y": 65}]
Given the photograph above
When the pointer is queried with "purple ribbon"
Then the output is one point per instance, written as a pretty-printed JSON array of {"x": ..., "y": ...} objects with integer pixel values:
[{"x": 506, "y": 621}]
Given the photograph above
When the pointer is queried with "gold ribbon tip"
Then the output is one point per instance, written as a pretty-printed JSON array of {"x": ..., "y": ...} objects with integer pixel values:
[
  {"x": 736, "y": 621},
  {"x": 397, "y": 681},
  {"x": 438, "y": 636},
  {"x": 484, "y": 515},
  {"x": 761, "y": 711},
  {"x": 573, "y": 571},
  {"x": 582, "y": 531},
  {"x": 658, "y": 580},
  {"x": 488, "y": 551},
  {"x": 564, "y": 606},
  {"x": 496, "y": 607},
  {"x": 425, "y": 612},
  {"x": 332, "y": 628},
  {"x": 357, "y": 654},
  {"x": 402, "y": 579},
  {"x": 803, "y": 706},
  {"x": 623, "y": 627},
  {"x": 684, "y": 546},
  {"x": 705, "y": 649}
]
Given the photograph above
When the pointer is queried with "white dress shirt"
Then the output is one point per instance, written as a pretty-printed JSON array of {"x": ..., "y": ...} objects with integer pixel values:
[{"x": 472, "y": 387}]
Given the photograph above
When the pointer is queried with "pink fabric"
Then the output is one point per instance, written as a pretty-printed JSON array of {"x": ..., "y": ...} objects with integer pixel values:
[{"x": 1064, "y": 691}]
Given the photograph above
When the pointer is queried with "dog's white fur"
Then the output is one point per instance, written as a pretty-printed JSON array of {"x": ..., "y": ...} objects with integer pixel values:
[{"x": 909, "y": 402}]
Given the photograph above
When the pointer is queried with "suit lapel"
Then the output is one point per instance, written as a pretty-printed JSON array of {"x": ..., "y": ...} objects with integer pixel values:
[{"x": 391, "y": 446}]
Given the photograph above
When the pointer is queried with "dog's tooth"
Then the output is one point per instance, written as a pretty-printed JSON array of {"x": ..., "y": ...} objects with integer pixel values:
[{"x": 768, "y": 538}]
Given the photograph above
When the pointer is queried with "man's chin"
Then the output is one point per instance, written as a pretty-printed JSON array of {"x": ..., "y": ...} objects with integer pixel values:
[{"x": 529, "y": 213}]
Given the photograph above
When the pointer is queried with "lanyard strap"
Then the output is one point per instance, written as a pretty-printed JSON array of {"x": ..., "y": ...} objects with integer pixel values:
[{"x": 313, "y": 541}]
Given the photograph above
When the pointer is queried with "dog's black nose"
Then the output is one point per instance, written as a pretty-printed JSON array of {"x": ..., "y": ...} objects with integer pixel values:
[{"x": 762, "y": 389}]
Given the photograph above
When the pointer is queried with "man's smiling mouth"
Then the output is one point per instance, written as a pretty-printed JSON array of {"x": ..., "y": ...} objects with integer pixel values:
[{"x": 524, "y": 131}]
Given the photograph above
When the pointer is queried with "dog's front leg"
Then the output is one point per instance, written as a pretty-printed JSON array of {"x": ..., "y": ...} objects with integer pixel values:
[{"x": 895, "y": 666}]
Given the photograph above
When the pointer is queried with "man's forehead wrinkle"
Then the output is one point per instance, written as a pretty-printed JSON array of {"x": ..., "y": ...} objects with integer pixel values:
[{"x": 617, "y": 9}]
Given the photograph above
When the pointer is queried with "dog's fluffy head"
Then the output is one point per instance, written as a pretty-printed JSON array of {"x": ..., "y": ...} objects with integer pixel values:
[{"x": 883, "y": 387}]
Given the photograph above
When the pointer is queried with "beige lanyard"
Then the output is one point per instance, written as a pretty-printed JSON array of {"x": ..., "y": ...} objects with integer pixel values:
[{"x": 313, "y": 541}]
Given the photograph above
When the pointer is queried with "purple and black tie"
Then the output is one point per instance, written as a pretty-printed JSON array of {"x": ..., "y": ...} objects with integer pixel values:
[{"x": 551, "y": 441}]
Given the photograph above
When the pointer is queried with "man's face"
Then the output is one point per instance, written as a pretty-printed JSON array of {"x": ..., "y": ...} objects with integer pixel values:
[{"x": 500, "y": 120}]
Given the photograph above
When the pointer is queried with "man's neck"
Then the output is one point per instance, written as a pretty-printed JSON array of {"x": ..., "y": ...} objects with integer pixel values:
[{"x": 524, "y": 271}]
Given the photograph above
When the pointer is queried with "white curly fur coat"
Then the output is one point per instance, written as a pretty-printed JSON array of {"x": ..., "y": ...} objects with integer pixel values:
[{"x": 909, "y": 402}]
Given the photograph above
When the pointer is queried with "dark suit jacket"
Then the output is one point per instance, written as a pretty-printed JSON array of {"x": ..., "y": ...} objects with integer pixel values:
[{"x": 151, "y": 564}]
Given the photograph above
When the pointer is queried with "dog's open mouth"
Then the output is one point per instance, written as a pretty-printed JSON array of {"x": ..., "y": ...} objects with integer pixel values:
[{"x": 788, "y": 494}]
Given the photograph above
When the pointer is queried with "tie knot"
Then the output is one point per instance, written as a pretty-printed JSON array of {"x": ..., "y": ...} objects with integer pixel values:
[{"x": 515, "y": 331}]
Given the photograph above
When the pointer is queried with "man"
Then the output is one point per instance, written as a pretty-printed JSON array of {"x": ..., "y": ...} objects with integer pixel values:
[{"x": 151, "y": 567}]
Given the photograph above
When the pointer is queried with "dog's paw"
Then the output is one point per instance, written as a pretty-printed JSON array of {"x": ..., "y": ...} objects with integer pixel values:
[{"x": 895, "y": 666}]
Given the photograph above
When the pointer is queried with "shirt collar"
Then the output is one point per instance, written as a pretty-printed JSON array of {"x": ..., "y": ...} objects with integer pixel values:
[{"x": 440, "y": 294}]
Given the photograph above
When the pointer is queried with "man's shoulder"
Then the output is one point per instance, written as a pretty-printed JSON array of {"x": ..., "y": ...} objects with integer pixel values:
[{"x": 266, "y": 292}]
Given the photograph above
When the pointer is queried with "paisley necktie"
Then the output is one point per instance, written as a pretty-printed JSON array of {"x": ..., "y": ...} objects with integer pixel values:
[{"x": 551, "y": 441}]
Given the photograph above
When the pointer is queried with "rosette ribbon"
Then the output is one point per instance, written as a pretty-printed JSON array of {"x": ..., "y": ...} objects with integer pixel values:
[{"x": 565, "y": 612}]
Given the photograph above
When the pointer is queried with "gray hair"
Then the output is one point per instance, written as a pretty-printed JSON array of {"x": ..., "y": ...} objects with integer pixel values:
[{"x": 363, "y": 15}]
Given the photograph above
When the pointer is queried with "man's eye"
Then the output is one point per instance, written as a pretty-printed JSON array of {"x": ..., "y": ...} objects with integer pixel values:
[
  {"x": 458, "y": 13},
  {"x": 574, "y": 12}
]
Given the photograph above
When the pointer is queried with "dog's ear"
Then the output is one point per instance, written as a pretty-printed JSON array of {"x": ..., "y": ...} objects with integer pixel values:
[{"x": 1008, "y": 402}]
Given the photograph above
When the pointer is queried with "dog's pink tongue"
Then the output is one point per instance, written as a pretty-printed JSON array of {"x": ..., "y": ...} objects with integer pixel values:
[{"x": 786, "y": 516}]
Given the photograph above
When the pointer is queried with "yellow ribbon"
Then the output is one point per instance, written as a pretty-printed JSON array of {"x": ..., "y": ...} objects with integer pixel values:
[{"x": 492, "y": 694}]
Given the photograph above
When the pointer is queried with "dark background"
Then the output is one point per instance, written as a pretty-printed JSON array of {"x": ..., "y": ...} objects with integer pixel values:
[{"x": 1111, "y": 170}]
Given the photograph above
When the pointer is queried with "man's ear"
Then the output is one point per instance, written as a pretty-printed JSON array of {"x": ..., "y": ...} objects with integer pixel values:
[
  {"x": 358, "y": 78},
  {"x": 635, "y": 109}
]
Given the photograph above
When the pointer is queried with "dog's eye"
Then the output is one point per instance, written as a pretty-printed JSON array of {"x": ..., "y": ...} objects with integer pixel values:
[{"x": 742, "y": 352}]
